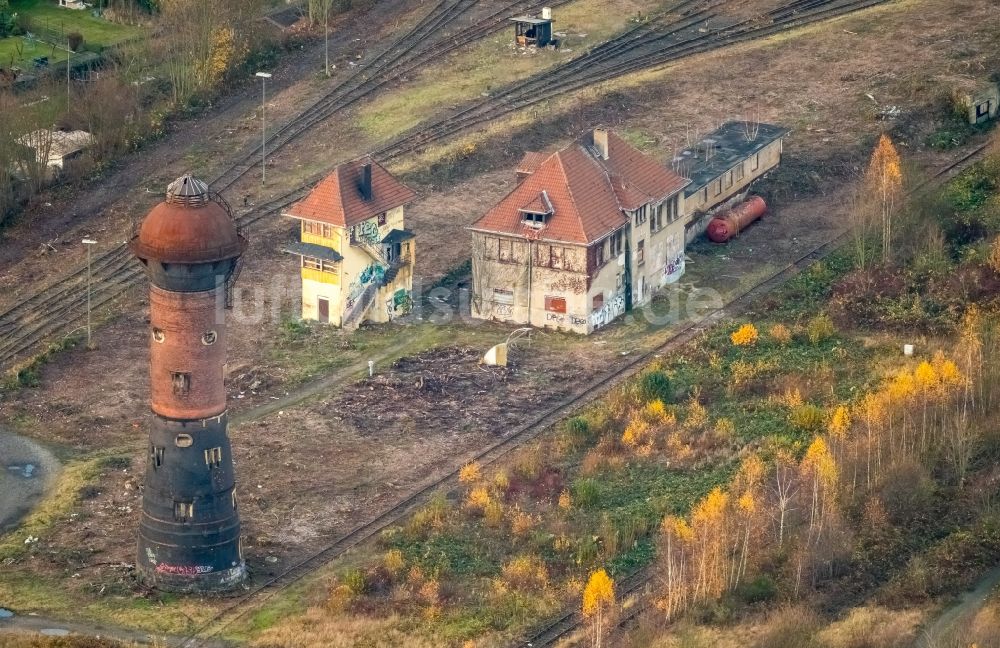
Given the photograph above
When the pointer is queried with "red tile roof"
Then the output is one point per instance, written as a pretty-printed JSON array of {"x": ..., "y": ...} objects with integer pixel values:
[
  {"x": 636, "y": 178},
  {"x": 587, "y": 193},
  {"x": 337, "y": 198},
  {"x": 530, "y": 162}
]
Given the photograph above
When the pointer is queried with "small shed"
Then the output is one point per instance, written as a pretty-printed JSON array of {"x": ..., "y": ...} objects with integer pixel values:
[
  {"x": 56, "y": 147},
  {"x": 983, "y": 103},
  {"x": 533, "y": 31}
]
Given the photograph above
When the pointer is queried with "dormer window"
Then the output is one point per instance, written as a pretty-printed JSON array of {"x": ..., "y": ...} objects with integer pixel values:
[{"x": 536, "y": 213}]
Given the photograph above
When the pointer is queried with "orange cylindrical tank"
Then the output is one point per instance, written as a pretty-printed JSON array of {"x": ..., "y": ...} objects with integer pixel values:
[{"x": 733, "y": 221}]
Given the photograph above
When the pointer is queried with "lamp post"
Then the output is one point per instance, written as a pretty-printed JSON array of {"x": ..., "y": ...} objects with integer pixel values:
[
  {"x": 263, "y": 76},
  {"x": 90, "y": 243}
]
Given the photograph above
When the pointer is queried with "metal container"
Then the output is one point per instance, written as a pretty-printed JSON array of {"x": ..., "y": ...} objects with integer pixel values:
[{"x": 733, "y": 221}]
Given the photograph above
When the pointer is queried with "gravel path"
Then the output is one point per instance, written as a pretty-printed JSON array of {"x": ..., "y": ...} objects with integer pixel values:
[{"x": 26, "y": 470}]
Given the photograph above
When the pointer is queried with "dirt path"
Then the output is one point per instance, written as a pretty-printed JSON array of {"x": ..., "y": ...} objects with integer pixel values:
[
  {"x": 12, "y": 623},
  {"x": 969, "y": 604},
  {"x": 26, "y": 471}
]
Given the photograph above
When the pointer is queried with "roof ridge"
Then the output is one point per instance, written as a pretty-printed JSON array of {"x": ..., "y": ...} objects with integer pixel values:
[{"x": 572, "y": 199}]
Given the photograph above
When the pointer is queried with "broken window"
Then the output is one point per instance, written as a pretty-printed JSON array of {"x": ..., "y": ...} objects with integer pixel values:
[
  {"x": 155, "y": 456},
  {"x": 209, "y": 338},
  {"x": 381, "y": 219},
  {"x": 158, "y": 335},
  {"x": 599, "y": 254},
  {"x": 599, "y": 301},
  {"x": 213, "y": 457},
  {"x": 181, "y": 382},
  {"x": 640, "y": 252},
  {"x": 555, "y": 304},
  {"x": 183, "y": 511}
]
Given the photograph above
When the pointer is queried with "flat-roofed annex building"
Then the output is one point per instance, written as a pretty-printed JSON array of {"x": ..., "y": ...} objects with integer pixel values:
[
  {"x": 355, "y": 254},
  {"x": 723, "y": 165},
  {"x": 589, "y": 232}
]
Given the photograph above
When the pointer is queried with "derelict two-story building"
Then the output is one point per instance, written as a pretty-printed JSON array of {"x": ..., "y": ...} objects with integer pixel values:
[
  {"x": 589, "y": 232},
  {"x": 355, "y": 253}
]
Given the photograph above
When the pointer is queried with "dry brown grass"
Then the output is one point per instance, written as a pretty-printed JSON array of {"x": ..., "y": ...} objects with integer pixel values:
[
  {"x": 872, "y": 627},
  {"x": 319, "y": 628}
]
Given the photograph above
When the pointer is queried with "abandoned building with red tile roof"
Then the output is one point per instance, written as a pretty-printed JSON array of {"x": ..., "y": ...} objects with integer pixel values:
[
  {"x": 355, "y": 253},
  {"x": 589, "y": 232}
]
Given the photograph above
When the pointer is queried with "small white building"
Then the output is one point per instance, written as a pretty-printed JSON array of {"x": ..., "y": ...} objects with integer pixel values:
[{"x": 55, "y": 148}]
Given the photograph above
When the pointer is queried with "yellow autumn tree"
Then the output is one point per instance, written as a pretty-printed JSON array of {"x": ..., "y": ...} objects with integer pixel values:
[
  {"x": 884, "y": 188},
  {"x": 678, "y": 536},
  {"x": 820, "y": 471},
  {"x": 598, "y": 599},
  {"x": 708, "y": 522}
]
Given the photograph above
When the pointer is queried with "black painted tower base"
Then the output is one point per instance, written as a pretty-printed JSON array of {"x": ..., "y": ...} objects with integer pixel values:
[{"x": 189, "y": 533}]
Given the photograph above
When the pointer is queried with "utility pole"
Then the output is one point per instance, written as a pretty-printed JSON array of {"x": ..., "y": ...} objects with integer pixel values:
[
  {"x": 90, "y": 243},
  {"x": 263, "y": 76}
]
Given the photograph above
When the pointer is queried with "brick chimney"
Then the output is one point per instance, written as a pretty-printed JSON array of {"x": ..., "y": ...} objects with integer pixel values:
[
  {"x": 366, "y": 181},
  {"x": 601, "y": 142}
]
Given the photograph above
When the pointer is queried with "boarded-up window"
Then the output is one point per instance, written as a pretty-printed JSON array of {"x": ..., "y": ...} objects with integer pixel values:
[
  {"x": 506, "y": 250},
  {"x": 557, "y": 257},
  {"x": 555, "y": 304},
  {"x": 599, "y": 301},
  {"x": 183, "y": 511},
  {"x": 502, "y": 296},
  {"x": 181, "y": 383}
]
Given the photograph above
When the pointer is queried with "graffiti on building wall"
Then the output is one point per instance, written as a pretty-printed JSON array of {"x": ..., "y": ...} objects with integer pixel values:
[
  {"x": 503, "y": 310},
  {"x": 399, "y": 304},
  {"x": 374, "y": 273},
  {"x": 673, "y": 269},
  {"x": 611, "y": 309},
  {"x": 183, "y": 570},
  {"x": 366, "y": 232},
  {"x": 569, "y": 283}
]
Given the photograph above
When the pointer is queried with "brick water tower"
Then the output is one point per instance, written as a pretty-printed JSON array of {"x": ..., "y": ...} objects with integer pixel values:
[{"x": 189, "y": 533}]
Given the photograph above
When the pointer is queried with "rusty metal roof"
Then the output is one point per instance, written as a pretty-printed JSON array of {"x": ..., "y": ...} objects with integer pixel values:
[{"x": 188, "y": 227}]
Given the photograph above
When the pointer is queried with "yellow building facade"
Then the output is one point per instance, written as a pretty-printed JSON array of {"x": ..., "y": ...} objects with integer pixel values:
[{"x": 355, "y": 254}]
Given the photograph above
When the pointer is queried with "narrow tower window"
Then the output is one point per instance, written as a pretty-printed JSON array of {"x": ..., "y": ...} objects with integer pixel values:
[
  {"x": 156, "y": 456},
  {"x": 181, "y": 382},
  {"x": 213, "y": 457},
  {"x": 234, "y": 499},
  {"x": 183, "y": 511}
]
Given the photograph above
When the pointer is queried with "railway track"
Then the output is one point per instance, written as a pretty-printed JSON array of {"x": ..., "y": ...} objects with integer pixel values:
[
  {"x": 54, "y": 310},
  {"x": 674, "y": 35},
  {"x": 409, "y": 53},
  {"x": 568, "y": 622}
]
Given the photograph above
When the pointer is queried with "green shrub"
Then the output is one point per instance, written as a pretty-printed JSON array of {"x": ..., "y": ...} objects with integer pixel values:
[
  {"x": 820, "y": 329},
  {"x": 580, "y": 431},
  {"x": 355, "y": 580},
  {"x": 760, "y": 590},
  {"x": 654, "y": 385},
  {"x": 586, "y": 492},
  {"x": 808, "y": 417}
]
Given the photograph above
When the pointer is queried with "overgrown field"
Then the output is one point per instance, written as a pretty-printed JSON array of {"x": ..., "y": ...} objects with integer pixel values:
[{"x": 798, "y": 456}]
